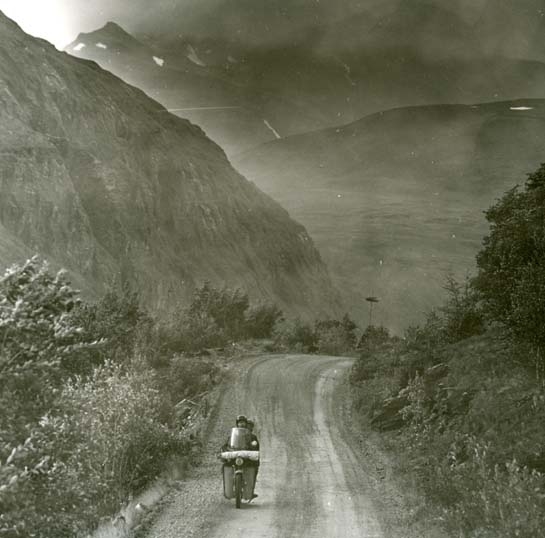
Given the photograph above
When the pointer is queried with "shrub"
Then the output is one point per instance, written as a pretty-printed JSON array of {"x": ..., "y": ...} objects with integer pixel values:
[
  {"x": 103, "y": 441},
  {"x": 192, "y": 333},
  {"x": 295, "y": 335},
  {"x": 373, "y": 337},
  {"x": 461, "y": 313},
  {"x": 493, "y": 500},
  {"x": 335, "y": 337},
  {"x": 188, "y": 377},
  {"x": 117, "y": 422},
  {"x": 216, "y": 317},
  {"x": 261, "y": 320}
]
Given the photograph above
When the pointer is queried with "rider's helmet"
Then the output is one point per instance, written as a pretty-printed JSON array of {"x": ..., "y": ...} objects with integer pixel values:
[
  {"x": 251, "y": 424},
  {"x": 241, "y": 418}
]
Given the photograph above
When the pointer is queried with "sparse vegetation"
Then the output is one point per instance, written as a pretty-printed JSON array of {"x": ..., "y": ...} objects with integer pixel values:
[{"x": 463, "y": 394}]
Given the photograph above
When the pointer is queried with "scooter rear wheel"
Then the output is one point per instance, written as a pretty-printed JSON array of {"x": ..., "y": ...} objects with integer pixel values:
[{"x": 238, "y": 489}]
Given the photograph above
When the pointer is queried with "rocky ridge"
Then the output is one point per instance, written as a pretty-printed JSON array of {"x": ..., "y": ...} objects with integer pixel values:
[{"x": 101, "y": 179}]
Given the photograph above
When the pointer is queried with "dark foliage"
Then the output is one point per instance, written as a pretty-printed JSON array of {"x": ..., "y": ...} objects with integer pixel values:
[
  {"x": 217, "y": 317},
  {"x": 511, "y": 277},
  {"x": 260, "y": 320},
  {"x": 117, "y": 322},
  {"x": 372, "y": 337}
]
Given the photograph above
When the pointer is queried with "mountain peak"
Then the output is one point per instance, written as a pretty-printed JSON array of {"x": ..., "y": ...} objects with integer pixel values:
[
  {"x": 111, "y": 36},
  {"x": 113, "y": 26}
]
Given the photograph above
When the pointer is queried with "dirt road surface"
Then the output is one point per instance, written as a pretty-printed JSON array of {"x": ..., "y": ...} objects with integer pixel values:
[{"x": 312, "y": 481}]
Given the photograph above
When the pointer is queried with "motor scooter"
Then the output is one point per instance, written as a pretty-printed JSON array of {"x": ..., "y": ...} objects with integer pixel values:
[{"x": 239, "y": 466}]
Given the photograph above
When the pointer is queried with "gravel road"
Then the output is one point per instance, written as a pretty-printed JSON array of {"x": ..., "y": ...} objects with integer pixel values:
[{"x": 312, "y": 481}]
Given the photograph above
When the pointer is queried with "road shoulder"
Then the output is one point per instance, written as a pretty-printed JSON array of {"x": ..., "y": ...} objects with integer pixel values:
[{"x": 395, "y": 502}]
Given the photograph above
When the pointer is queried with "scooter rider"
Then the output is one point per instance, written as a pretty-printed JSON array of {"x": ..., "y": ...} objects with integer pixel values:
[{"x": 243, "y": 422}]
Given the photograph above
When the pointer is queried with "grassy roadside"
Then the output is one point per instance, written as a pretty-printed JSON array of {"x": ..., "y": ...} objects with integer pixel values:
[
  {"x": 460, "y": 400},
  {"x": 396, "y": 501},
  {"x": 462, "y": 426},
  {"x": 101, "y": 400}
]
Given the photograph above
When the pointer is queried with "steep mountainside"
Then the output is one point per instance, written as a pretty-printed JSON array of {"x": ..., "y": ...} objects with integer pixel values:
[
  {"x": 243, "y": 95},
  {"x": 395, "y": 200},
  {"x": 98, "y": 177}
]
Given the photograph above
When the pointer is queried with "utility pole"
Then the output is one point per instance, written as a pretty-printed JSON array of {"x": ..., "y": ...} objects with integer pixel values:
[{"x": 371, "y": 301}]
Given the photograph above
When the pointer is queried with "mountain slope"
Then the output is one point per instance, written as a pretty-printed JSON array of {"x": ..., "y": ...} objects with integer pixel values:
[
  {"x": 102, "y": 179},
  {"x": 243, "y": 95},
  {"x": 395, "y": 200}
]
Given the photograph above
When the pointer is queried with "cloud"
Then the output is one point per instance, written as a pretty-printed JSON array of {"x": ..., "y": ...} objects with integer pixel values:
[{"x": 499, "y": 27}]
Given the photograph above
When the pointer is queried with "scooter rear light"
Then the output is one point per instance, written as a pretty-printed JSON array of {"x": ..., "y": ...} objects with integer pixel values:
[{"x": 239, "y": 461}]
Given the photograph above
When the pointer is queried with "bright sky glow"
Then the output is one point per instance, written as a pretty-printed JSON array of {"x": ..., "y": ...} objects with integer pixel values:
[{"x": 41, "y": 18}]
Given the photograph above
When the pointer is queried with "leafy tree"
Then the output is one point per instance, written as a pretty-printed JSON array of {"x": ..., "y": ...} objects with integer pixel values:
[
  {"x": 117, "y": 321},
  {"x": 512, "y": 261},
  {"x": 225, "y": 307},
  {"x": 38, "y": 338}
]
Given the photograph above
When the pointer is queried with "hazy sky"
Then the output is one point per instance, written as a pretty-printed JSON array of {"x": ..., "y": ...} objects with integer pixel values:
[
  {"x": 47, "y": 19},
  {"x": 59, "y": 21},
  {"x": 510, "y": 27}
]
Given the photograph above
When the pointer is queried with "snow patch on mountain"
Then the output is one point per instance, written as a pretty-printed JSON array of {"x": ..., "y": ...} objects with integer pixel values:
[
  {"x": 101, "y": 46},
  {"x": 192, "y": 56},
  {"x": 79, "y": 46},
  {"x": 521, "y": 108},
  {"x": 159, "y": 61},
  {"x": 274, "y": 131}
]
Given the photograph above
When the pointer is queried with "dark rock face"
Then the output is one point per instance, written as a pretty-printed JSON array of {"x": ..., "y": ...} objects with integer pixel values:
[{"x": 103, "y": 180}]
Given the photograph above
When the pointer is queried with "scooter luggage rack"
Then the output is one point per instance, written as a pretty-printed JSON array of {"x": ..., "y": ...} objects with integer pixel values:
[{"x": 252, "y": 455}]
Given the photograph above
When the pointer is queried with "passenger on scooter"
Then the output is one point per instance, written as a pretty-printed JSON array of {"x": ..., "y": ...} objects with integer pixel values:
[{"x": 254, "y": 443}]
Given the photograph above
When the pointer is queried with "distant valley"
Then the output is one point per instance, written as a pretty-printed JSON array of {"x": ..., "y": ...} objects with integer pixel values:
[{"x": 395, "y": 201}]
